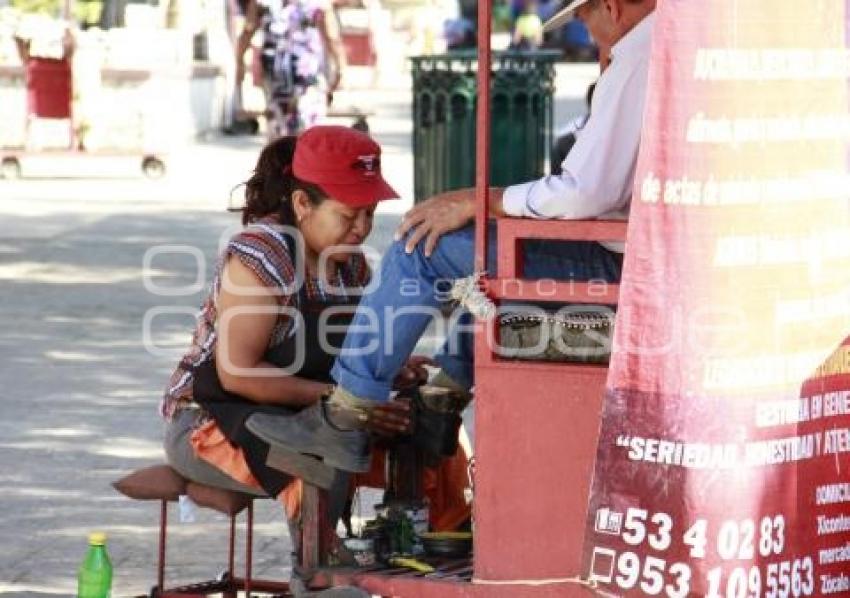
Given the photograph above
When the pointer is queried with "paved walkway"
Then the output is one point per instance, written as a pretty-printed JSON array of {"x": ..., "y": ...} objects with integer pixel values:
[{"x": 78, "y": 389}]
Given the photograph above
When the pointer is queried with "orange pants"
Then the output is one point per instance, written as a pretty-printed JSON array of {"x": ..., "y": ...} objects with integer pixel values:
[
  {"x": 444, "y": 488},
  {"x": 444, "y": 485}
]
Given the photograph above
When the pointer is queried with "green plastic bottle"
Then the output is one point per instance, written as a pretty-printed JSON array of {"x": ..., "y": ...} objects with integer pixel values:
[{"x": 94, "y": 578}]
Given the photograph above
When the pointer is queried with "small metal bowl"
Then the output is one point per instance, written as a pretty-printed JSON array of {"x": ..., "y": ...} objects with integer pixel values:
[
  {"x": 362, "y": 550},
  {"x": 451, "y": 545}
]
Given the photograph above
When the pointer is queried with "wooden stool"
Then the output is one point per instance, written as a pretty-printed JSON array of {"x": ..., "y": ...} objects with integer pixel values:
[{"x": 162, "y": 483}]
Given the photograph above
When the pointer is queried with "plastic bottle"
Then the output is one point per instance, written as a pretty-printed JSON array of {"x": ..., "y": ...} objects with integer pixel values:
[{"x": 94, "y": 578}]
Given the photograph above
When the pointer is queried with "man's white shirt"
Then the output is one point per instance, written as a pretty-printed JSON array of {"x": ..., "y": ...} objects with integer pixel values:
[{"x": 598, "y": 173}]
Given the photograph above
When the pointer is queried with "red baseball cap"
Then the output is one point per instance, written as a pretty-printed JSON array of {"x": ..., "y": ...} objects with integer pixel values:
[{"x": 342, "y": 162}]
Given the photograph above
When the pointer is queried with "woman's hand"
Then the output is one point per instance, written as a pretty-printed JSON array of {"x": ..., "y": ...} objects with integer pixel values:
[
  {"x": 413, "y": 373},
  {"x": 435, "y": 217},
  {"x": 390, "y": 419},
  {"x": 393, "y": 417}
]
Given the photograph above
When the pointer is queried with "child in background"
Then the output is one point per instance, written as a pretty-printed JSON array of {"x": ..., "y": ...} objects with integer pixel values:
[{"x": 528, "y": 29}]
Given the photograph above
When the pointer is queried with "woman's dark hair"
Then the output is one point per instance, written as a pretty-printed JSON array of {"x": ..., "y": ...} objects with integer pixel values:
[{"x": 270, "y": 188}]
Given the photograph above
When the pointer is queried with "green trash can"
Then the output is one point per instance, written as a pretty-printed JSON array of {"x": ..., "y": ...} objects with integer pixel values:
[{"x": 444, "y": 99}]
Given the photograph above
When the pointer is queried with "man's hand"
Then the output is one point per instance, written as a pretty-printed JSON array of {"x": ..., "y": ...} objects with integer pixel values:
[
  {"x": 413, "y": 373},
  {"x": 435, "y": 217},
  {"x": 390, "y": 419}
]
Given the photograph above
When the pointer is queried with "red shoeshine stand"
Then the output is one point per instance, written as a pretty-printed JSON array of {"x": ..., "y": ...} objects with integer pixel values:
[{"x": 529, "y": 512}]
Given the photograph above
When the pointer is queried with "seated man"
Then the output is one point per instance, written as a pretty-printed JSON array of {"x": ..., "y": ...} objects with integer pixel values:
[{"x": 436, "y": 245}]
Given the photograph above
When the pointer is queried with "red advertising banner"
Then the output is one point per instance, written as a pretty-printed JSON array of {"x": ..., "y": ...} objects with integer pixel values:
[{"x": 723, "y": 467}]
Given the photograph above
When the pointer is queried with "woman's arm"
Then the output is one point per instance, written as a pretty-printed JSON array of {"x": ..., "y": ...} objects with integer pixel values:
[
  {"x": 329, "y": 30},
  {"x": 243, "y": 42},
  {"x": 247, "y": 313}
]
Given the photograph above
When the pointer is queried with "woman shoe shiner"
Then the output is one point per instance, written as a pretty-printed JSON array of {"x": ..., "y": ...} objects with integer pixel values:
[{"x": 261, "y": 338}]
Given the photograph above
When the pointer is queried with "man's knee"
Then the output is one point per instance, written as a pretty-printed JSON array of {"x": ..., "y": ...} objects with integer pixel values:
[{"x": 453, "y": 246}]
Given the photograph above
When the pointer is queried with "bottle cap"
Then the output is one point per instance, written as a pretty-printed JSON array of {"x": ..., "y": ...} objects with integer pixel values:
[{"x": 97, "y": 539}]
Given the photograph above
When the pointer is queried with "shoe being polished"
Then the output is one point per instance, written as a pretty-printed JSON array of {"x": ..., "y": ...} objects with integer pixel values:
[{"x": 327, "y": 429}]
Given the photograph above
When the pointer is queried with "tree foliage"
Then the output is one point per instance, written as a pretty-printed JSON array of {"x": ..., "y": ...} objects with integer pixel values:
[
  {"x": 85, "y": 12},
  {"x": 50, "y": 7}
]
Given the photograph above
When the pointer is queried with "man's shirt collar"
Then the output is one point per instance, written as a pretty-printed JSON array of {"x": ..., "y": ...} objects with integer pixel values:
[{"x": 636, "y": 42}]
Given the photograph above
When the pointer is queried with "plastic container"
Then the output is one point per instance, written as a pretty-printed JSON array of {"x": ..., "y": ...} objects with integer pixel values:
[
  {"x": 362, "y": 549},
  {"x": 49, "y": 88},
  {"x": 94, "y": 577}
]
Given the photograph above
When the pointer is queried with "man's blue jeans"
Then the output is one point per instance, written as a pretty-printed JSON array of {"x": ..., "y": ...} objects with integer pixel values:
[{"x": 411, "y": 290}]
